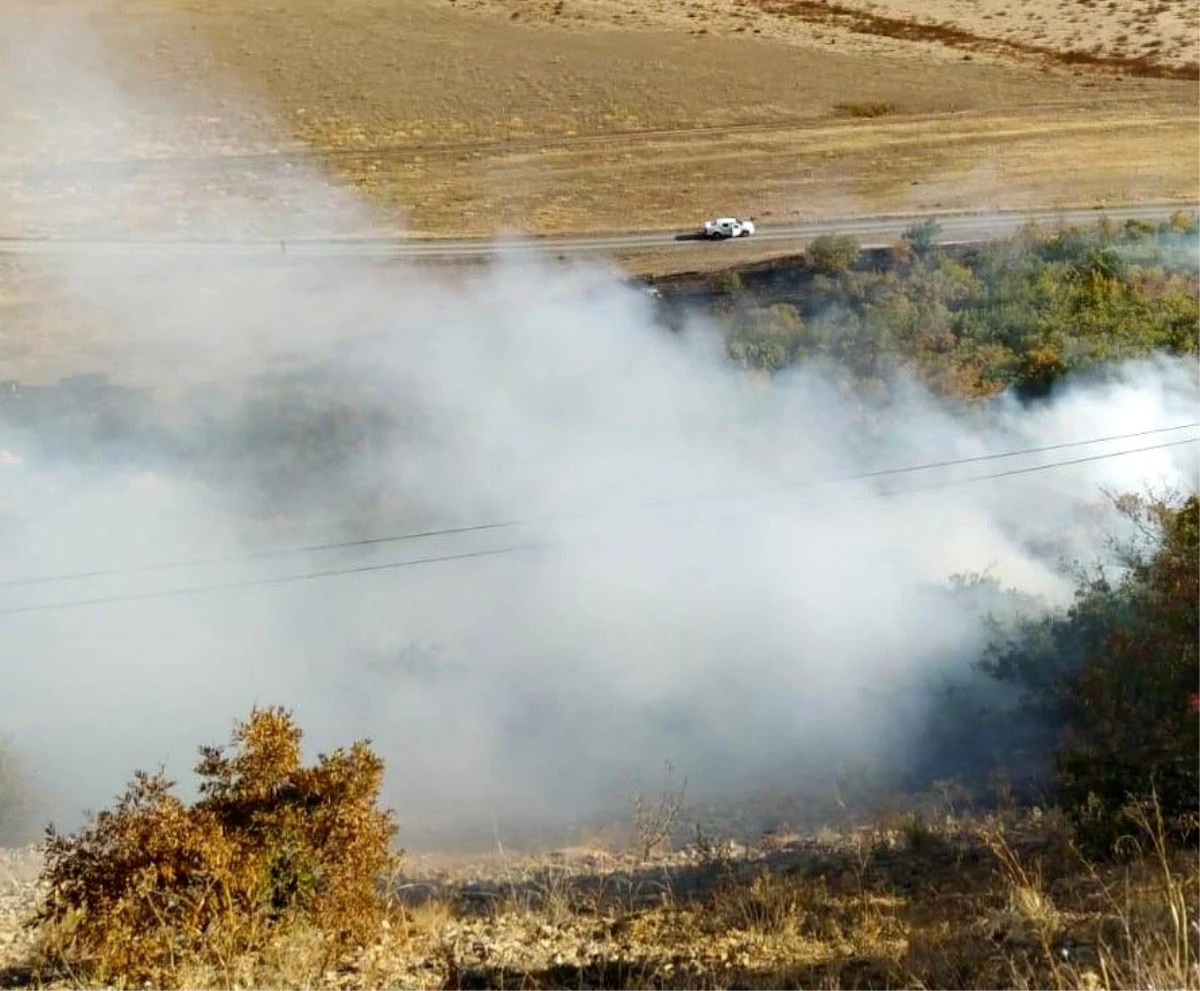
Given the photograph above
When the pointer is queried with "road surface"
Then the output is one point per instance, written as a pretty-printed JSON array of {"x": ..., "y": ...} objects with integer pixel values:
[{"x": 870, "y": 231}]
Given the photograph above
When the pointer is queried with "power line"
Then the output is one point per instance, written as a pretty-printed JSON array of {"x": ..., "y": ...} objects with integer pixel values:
[
  {"x": 279, "y": 580},
  {"x": 373, "y": 541},
  {"x": 1030, "y": 470},
  {"x": 564, "y": 517},
  {"x": 517, "y": 548}
]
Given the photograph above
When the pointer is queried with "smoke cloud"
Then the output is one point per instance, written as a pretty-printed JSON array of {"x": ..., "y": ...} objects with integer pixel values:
[{"x": 686, "y": 579}]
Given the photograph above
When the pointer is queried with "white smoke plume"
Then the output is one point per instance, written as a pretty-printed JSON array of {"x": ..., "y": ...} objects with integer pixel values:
[{"x": 752, "y": 628}]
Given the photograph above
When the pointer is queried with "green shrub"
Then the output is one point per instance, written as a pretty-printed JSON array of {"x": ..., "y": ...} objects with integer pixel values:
[
  {"x": 833, "y": 254},
  {"x": 1038, "y": 370},
  {"x": 924, "y": 237},
  {"x": 727, "y": 282},
  {"x": 1136, "y": 229},
  {"x": 1133, "y": 730},
  {"x": 766, "y": 338},
  {"x": 1117, "y": 675},
  {"x": 1185, "y": 223}
]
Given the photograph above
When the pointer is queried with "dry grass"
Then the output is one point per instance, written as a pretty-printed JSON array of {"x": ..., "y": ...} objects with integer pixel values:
[{"x": 998, "y": 902}]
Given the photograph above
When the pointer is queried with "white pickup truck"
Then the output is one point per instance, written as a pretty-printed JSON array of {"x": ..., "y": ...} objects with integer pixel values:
[{"x": 724, "y": 227}]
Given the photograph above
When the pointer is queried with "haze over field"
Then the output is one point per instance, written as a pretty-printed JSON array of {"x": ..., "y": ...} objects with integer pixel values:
[{"x": 769, "y": 644}]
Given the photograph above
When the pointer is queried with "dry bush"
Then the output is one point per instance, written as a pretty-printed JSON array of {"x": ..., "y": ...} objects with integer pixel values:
[
  {"x": 1028, "y": 913},
  {"x": 865, "y": 109},
  {"x": 270, "y": 846},
  {"x": 654, "y": 822}
]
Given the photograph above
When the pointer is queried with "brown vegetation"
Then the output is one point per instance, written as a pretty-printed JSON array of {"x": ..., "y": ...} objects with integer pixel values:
[{"x": 270, "y": 845}]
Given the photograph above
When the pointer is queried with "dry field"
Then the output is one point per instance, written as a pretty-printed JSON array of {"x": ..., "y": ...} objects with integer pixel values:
[
  {"x": 950, "y": 902},
  {"x": 467, "y": 116},
  {"x": 453, "y": 119}
]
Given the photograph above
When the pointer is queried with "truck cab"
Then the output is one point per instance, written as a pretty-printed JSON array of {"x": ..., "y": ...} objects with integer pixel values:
[{"x": 723, "y": 227}]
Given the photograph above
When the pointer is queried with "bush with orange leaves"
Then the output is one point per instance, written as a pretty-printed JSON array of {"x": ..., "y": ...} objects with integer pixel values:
[{"x": 269, "y": 842}]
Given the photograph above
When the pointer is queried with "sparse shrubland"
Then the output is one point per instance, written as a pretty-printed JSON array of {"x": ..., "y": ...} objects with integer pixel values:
[{"x": 962, "y": 901}]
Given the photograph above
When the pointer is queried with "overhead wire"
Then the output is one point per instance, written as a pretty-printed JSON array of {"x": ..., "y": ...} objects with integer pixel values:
[
  {"x": 315, "y": 548},
  {"x": 531, "y": 546}
]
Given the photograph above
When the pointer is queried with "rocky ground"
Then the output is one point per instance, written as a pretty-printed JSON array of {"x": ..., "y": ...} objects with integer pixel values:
[{"x": 18, "y": 897}]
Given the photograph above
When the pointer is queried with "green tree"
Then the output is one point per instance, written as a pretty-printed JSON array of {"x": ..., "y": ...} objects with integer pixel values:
[
  {"x": 1020, "y": 313},
  {"x": 1117, "y": 675},
  {"x": 1130, "y": 708}
]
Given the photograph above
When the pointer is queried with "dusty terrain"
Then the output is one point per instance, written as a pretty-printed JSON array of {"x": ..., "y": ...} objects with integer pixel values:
[{"x": 479, "y": 115}]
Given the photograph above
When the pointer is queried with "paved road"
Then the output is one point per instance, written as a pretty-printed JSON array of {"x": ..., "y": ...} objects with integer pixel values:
[{"x": 870, "y": 231}]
